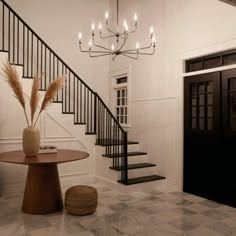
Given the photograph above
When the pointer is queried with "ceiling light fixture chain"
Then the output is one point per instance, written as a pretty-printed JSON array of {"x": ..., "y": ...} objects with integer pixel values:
[{"x": 96, "y": 50}]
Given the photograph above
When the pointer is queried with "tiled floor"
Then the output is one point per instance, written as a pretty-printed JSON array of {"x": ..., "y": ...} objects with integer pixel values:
[{"x": 149, "y": 212}]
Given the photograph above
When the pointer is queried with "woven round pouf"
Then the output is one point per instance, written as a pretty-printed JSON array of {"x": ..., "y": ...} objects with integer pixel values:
[{"x": 81, "y": 200}]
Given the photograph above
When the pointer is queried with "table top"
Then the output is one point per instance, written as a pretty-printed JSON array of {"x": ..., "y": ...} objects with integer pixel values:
[{"x": 62, "y": 155}]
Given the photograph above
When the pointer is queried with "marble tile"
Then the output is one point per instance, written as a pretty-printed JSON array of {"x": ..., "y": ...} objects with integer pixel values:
[
  {"x": 124, "y": 211},
  {"x": 221, "y": 227},
  {"x": 196, "y": 207}
]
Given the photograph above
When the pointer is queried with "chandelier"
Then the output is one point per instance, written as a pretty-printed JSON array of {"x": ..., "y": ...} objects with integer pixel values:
[{"x": 120, "y": 36}]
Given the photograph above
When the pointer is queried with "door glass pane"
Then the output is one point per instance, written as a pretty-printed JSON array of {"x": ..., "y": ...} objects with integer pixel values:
[
  {"x": 209, "y": 87},
  {"x": 193, "y": 88},
  {"x": 210, "y": 111},
  {"x": 233, "y": 112},
  {"x": 201, "y": 123},
  {"x": 118, "y": 102},
  {"x": 232, "y": 98},
  {"x": 194, "y": 101},
  {"x": 194, "y": 112},
  {"x": 118, "y": 93},
  {"x": 232, "y": 83},
  {"x": 194, "y": 121},
  {"x": 201, "y": 99},
  {"x": 202, "y": 111},
  {"x": 209, "y": 124},
  {"x": 210, "y": 99},
  {"x": 201, "y": 88}
]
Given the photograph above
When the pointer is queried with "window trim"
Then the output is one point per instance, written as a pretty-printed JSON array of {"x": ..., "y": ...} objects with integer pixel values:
[{"x": 114, "y": 75}]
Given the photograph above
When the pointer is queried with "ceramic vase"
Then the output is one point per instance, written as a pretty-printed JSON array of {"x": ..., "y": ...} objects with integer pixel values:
[{"x": 31, "y": 141}]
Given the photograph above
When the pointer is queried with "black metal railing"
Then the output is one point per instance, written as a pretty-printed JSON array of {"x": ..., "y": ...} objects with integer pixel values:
[{"x": 27, "y": 49}]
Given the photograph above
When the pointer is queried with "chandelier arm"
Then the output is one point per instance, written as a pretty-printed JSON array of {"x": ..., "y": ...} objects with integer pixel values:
[
  {"x": 140, "y": 53},
  {"x": 108, "y": 49},
  {"x": 110, "y": 30},
  {"x": 132, "y": 31},
  {"x": 136, "y": 58},
  {"x": 122, "y": 44},
  {"x": 114, "y": 57},
  {"x": 105, "y": 37},
  {"x": 133, "y": 50},
  {"x": 94, "y": 51},
  {"x": 100, "y": 55}
]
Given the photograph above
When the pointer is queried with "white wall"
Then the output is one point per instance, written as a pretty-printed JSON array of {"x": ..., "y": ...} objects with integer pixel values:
[{"x": 183, "y": 29}]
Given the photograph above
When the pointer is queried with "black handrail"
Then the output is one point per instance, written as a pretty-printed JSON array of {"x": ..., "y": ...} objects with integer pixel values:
[{"x": 76, "y": 97}]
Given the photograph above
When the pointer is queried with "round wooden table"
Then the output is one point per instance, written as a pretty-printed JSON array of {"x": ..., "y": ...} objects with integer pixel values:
[{"x": 42, "y": 189}]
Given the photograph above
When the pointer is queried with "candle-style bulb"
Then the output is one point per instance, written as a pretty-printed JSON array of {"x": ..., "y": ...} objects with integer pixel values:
[
  {"x": 80, "y": 36},
  {"x": 151, "y": 31},
  {"x": 135, "y": 19},
  {"x": 154, "y": 41},
  {"x": 93, "y": 27},
  {"x": 100, "y": 27},
  {"x": 125, "y": 24},
  {"x": 90, "y": 44},
  {"x": 137, "y": 45},
  {"x": 112, "y": 47},
  {"x": 106, "y": 15}
]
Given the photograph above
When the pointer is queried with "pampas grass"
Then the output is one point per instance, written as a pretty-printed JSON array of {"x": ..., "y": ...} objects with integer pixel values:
[
  {"x": 15, "y": 84},
  {"x": 50, "y": 94},
  {"x": 34, "y": 98}
]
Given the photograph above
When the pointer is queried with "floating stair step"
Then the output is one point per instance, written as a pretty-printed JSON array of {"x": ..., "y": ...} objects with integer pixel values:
[
  {"x": 79, "y": 123},
  {"x": 134, "y": 166},
  {"x": 142, "y": 179},
  {"x": 90, "y": 133},
  {"x": 3, "y": 51},
  {"x": 108, "y": 142},
  {"x": 27, "y": 77},
  {"x": 57, "y": 101},
  {"x": 70, "y": 113},
  {"x": 129, "y": 154},
  {"x": 17, "y": 64}
]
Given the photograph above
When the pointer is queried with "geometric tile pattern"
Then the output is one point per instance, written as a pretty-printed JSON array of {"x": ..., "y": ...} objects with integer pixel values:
[{"x": 125, "y": 213}]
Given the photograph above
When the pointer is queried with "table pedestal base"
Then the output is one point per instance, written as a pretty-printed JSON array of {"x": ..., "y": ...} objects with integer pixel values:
[{"x": 42, "y": 190}]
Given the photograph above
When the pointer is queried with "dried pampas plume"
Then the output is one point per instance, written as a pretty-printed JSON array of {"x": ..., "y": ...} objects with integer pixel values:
[
  {"x": 15, "y": 84},
  {"x": 35, "y": 96},
  {"x": 50, "y": 93}
]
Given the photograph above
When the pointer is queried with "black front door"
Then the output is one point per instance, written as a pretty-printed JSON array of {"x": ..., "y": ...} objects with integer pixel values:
[
  {"x": 228, "y": 157},
  {"x": 210, "y": 136},
  {"x": 202, "y": 134}
]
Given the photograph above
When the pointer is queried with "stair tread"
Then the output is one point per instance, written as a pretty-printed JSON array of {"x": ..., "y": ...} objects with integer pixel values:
[
  {"x": 107, "y": 142},
  {"x": 135, "y": 166},
  {"x": 88, "y": 133},
  {"x": 143, "y": 179},
  {"x": 128, "y": 153},
  {"x": 79, "y": 123}
]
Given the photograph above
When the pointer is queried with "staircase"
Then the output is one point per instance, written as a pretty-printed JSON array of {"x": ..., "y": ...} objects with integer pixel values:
[{"x": 25, "y": 48}]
